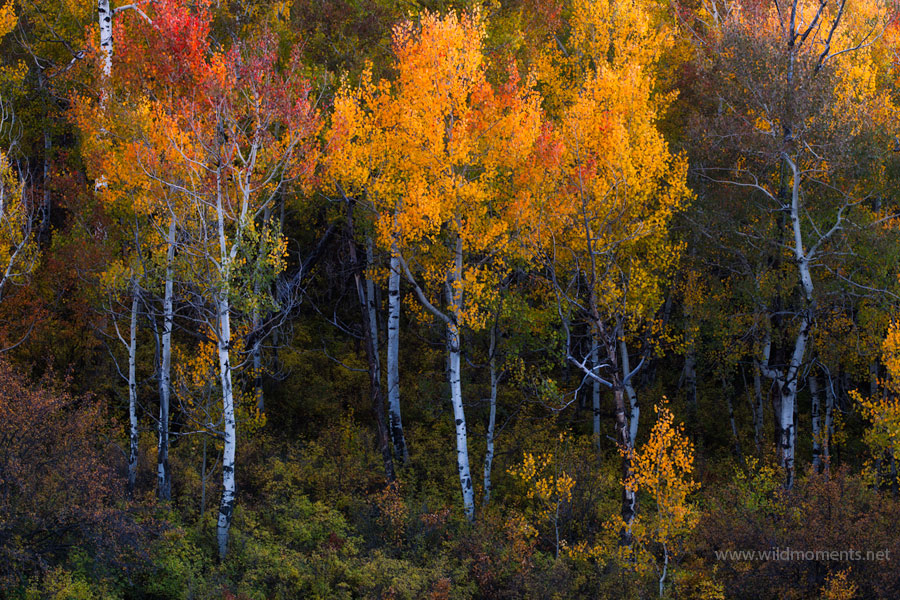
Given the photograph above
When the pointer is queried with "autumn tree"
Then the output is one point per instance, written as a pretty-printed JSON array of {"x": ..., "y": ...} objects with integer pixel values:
[
  {"x": 443, "y": 142},
  {"x": 788, "y": 162},
  {"x": 663, "y": 471},
  {"x": 601, "y": 218},
  {"x": 228, "y": 135}
]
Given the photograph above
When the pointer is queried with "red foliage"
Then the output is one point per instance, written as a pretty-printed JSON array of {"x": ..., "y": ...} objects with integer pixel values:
[{"x": 57, "y": 488}]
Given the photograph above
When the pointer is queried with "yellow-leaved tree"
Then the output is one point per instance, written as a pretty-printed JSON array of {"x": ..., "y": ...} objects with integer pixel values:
[
  {"x": 602, "y": 224},
  {"x": 883, "y": 414},
  {"x": 662, "y": 470},
  {"x": 434, "y": 153},
  {"x": 18, "y": 248}
]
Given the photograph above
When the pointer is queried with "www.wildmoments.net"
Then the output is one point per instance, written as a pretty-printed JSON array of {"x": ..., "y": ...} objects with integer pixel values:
[{"x": 789, "y": 554}]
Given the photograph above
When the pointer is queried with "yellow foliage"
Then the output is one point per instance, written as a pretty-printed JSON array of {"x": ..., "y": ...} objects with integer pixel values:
[
  {"x": 548, "y": 486},
  {"x": 18, "y": 248},
  {"x": 433, "y": 152},
  {"x": 837, "y": 587},
  {"x": 196, "y": 381},
  {"x": 662, "y": 470},
  {"x": 883, "y": 413},
  {"x": 8, "y": 18}
]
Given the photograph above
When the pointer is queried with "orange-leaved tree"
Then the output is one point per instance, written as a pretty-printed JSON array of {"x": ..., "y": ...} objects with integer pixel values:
[
  {"x": 225, "y": 133},
  {"x": 434, "y": 152},
  {"x": 603, "y": 211}
]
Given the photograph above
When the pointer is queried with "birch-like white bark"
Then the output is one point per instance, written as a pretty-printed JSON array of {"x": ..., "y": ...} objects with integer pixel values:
[
  {"x": 595, "y": 395},
  {"x": 104, "y": 15},
  {"x": 787, "y": 379},
  {"x": 223, "y": 323},
  {"x": 634, "y": 418},
  {"x": 398, "y": 439},
  {"x": 226, "y": 507},
  {"x": 132, "y": 389},
  {"x": 454, "y": 300},
  {"x": 459, "y": 417},
  {"x": 492, "y": 417},
  {"x": 163, "y": 475},
  {"x": 787, "y": 387}
]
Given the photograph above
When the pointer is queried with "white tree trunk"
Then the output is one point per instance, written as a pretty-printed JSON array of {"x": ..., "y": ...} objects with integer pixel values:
[
  {"x": 787, "y": 379},
  {"x": 634, "y": 419},
  {"x": 223, "y": 334},
  {"x": 454, "y": 300},
  {"x": 226, "y": 507},
  {"x": 393, "y": 360},
  {"x": 132, "y": 389},
  {"x": 492, "y": 418},
  {"x": 163, "y": 476},
  {"x": 462, "y": 449},
  {"x": 454, "y": 295},
  {"x": 104, "y": 14},
  {"x": 595, "y": 394}
]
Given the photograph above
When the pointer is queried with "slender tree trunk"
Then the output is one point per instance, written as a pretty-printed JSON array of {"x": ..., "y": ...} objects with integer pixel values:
[
  {"x": 104, "y": 14},
  {"x": 203, "y": 481},
  {"x": 226, "y": 507},
  {"x": 454, "y": 296},
  {"x": 163, "y": 475},
  {"x": 626, "y": 444},
  {"x": 398, "y": 439},
  {"x": 454, "y": 300},
  {"x": 370, "y": 320},
  {"x": 365, "y": 290},
  {"x": 256, "y": 349},
  {"x": 816, "y": 395},
  {"x": 44, "y": 231},
  {"x": 726, "y": 390},
  {"x": 371, "y": 300},
  {"x": 492, "y": 419},
  {"x": 132, "y": 389},
  {"x": 829, "y": 422},
  {"x": 788, "y": 385},
  {"x": 758, "y": 413},
  {"x": 595, "y": 395},
  {"x": 635, "y": 415},
  {"x": 256, "y": 356},
  {"x": 223, "y": 335},
  {"x": 462, "y": 449},
  {"x": 786, "y": 378}
]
